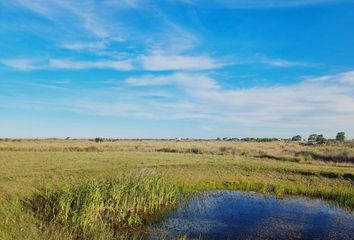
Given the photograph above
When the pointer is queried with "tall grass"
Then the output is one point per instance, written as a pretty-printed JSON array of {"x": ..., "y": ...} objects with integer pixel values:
[{"x": 105, "y": 207}]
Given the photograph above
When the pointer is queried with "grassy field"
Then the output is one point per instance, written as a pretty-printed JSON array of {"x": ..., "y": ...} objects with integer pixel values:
[{"x": 67, "y": 189}]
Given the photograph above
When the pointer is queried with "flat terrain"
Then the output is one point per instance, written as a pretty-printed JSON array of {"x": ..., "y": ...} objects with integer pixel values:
[{"x": 282, "y": 168}]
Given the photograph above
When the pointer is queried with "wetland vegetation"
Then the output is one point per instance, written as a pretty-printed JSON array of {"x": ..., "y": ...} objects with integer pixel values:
[{"x": 81, "y": 189}]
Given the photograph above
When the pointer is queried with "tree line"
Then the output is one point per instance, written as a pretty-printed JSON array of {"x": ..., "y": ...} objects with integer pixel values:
[
  {"x": 319, "y": 138},
  {"x": 315, "y": 138}
]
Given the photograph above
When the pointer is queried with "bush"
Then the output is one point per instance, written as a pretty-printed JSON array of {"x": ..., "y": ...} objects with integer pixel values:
[
  {"x": 296, "y": 138},
  {"x": 98, "y": 140},
  {"x": 340, "y": 136},
  {"x": 320, "y": 139},
  {"x": 312, "y": 137}
]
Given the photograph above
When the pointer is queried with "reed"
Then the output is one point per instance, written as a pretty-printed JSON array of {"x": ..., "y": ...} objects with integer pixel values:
[{"x": 110, "y": 207}]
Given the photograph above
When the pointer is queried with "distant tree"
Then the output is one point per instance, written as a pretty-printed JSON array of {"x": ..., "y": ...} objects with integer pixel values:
[
  {"x": 97, "y": 139},
  {"x": 218, "y": 139},
  {"x": 232, "y": 139},
  {"x": 320, "y": 138},
  {"x": 312, "y": 138},
  {"x": 296, "y": 138},
  {"x": 340, "y": 136},
  {"x": 246, "y": 139}
]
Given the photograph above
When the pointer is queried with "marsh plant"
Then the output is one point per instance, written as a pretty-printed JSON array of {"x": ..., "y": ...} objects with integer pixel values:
[
  {"x": 125, "y": 197},
  {"x": 111, "y": 206}
]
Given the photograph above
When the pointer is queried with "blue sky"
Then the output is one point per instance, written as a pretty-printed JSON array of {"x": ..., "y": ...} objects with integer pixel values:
[{"x": 187, "y": 68}]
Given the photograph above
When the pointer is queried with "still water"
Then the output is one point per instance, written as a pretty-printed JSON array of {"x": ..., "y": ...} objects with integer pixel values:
[{"x": 237, "y": 215}]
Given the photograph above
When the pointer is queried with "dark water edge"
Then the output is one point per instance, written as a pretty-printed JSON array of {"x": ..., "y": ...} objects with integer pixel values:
[{"x": 239, "y": 215}]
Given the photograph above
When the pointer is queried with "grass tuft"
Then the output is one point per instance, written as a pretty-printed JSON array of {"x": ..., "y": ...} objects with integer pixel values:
[{"x": 109, "y": 207}]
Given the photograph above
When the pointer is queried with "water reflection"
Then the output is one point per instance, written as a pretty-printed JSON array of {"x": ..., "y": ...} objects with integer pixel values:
[{"x": 234, "y": 215}]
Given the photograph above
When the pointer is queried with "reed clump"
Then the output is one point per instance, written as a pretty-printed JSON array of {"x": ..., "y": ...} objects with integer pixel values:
[{"x": 112, "y": 207}]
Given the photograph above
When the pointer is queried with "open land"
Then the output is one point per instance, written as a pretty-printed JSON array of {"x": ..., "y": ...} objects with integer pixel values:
[{"x": 72, "y": 189}]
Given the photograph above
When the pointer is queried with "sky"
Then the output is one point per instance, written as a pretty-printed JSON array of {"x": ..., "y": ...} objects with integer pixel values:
[{"x": 176, "y": 68}]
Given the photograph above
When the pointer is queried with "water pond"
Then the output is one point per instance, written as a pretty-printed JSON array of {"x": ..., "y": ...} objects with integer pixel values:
[{"x": 238, "y": 215}]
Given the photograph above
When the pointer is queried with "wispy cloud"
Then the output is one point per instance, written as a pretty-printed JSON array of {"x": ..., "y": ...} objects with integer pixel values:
[
  {"x": 154, "y": 62},
  {"x": 124, "y": 65},
  {"x": 257, "y": 4},
  {"x": 329, "y": 103},
  {"x": 168, "y": 47},
  {"x": 342, "y": 78},
  {"x": 161, "y": 62},
  {"x": 279, "y": 62},
  {"x": 94, "y": 26},
  {"x": 36, "y": 64},
  {"x": 202, "y": 96},
  {"x": 22, "y": 64},
  {"x": 81, "y": 13},
  {"x": 173, "y": 39},
  {"x": 295, "y": 105},
  {"x": 184, "y": 80},
  {"x": 86, "y": 46},
  {"x": 282, "y": 63},
  {"x": 149, "y": 80},
  {"x": 171, "y": 67},
  {"x": 47, "y": 86}
]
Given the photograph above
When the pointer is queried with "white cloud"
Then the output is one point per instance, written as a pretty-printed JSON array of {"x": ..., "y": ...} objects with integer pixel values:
[
  {"x": 22, "y": 64},
  {"x": 326, "y": 104},
  {"x": 81, "y": 23},
  {"x": 156, "y": 62},
  {"x": 281, "y": 63},
  {"x": 284, "y": 63},
  {"x": 259, "y": 104},
  {"x": 162, "y": 62},
  {"x": 83, "y": 12},
  {"x": 124, "y": 65},
  {"x": 149, "y": 80},
  {"x": 173, "y": 39},
  {"x": 342, "y": 78},
  {"x": 321, "y": 106},
  {"x": 87, "y": 46},
  {"x": 35, "y": 64},
  {"x": 185, "y": 80},
  {"x": 256, "y": 4},
  {"x": 347, "y": 77},
  {"x": 48, "y": 86},
  {"x": 93, "y": 25}
]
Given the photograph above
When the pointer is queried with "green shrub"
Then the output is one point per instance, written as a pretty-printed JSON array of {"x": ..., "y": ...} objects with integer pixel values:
[
  {"x": 296, "y": 138},
  {"x": 340, "y": 136},
  {"x": 98, "y": 140}
]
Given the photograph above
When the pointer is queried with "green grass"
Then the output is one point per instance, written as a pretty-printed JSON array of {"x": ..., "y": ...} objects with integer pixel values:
[
  {"x": 48, "y": 194},
  {"x": 109, "y": 207}
]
